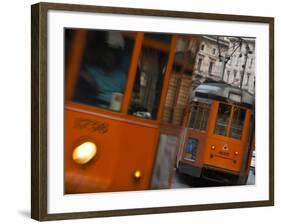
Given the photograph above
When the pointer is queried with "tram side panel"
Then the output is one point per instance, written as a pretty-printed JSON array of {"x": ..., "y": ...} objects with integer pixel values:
[
  {"x": 137, "y": 153},
  {"x": 123, "y": 159}
]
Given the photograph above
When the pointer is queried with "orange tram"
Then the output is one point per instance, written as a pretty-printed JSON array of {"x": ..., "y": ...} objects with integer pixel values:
[
  {"x": 218, "y": 140},
  {"x": 126, "y": 106},
  {"x": 111, "y": 141}
]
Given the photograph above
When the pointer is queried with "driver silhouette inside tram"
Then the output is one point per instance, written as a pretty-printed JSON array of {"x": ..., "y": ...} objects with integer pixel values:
[{"x": 102, "y": 80}]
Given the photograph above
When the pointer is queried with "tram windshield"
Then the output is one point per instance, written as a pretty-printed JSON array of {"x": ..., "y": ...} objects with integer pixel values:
[
  {"x": 236, "y": 124},
  {"x": 222, "y": 119},
  {"x": 103, "y": 72}
]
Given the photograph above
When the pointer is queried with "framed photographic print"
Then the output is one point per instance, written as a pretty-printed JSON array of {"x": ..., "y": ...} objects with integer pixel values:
[{"x": 138, "y": 111}]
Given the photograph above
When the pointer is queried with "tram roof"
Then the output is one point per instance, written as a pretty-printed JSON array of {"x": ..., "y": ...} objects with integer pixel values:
[{"x": 225, "y": 92}]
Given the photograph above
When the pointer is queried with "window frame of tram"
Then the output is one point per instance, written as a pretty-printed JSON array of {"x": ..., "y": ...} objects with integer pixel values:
[
  {"x": 149, "y": 46},
  {"x": 199, "y": 116},
  {"x": 147, "y": 88},
  {"x": 232, "y": 123}
]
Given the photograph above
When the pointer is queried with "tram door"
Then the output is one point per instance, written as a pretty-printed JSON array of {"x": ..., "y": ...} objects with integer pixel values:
[{"x": 115, "y": 90}]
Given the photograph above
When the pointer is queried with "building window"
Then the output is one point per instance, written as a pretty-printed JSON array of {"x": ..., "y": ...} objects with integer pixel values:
[
  {"x": 241, "y": 74},
  {"x": 199, "y": 116},
  {"x": 214, "y": 50},
  {"x": 251, "y": 63},
  {"x": 237, "y": 60},
  {"x": 199, "y": 64},
  {"x": 247, "y": 78},
  {"x": 202, "y": 47},
  {"x": 228, "y": 75},
  {"x": 210, "y": 68},
  {"x": 234, "y": 75}
]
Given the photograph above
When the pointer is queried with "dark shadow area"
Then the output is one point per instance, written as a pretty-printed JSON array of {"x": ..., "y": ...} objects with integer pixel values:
[
  {"x": 24, "y": 213},
  {"x": 196, "y": 182}
]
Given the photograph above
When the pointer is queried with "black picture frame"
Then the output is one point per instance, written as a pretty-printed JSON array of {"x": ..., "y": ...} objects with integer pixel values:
[{"x": 39, "y": 105}]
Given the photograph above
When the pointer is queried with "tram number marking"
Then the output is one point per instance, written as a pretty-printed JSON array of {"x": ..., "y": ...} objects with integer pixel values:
[
  {"x": 91, "y": 125},
  {"x": 224, "y": 150}
]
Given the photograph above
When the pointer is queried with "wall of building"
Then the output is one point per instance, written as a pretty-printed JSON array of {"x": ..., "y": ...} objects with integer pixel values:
[
  {"x": 234, "y": 68},
  {"x": 209, "y": 65},
  {"x": 207, "y": 60}
]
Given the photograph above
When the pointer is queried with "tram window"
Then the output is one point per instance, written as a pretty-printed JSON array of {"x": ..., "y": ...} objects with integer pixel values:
[
  {"x": 148, "y": 83},
  {"x": 103, "y": 70},
  {"x": 193, "y": 114},
  {"x": 199, "y": 115},
  {"x": 205, "y": 117},
  {"x": 237, "y": 122},
  {"x": 222, "y": 119}
]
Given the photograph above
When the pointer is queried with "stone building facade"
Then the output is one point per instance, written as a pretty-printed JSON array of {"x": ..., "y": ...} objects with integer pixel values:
[
  {"x": 234, "y": 71},
  {"x": 235, "y": 52}
]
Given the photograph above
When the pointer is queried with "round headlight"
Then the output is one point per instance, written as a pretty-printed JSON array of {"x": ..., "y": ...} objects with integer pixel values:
[
  {"x": 84, "y": 153},
  {"x": 137, "y": 174}
]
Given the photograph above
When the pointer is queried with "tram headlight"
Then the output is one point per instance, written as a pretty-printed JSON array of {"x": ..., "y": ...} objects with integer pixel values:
[
  {"x": 213, "y": 147},
  {"x": 84, "y": 153},
  {"x": 137, "y": 174}
]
